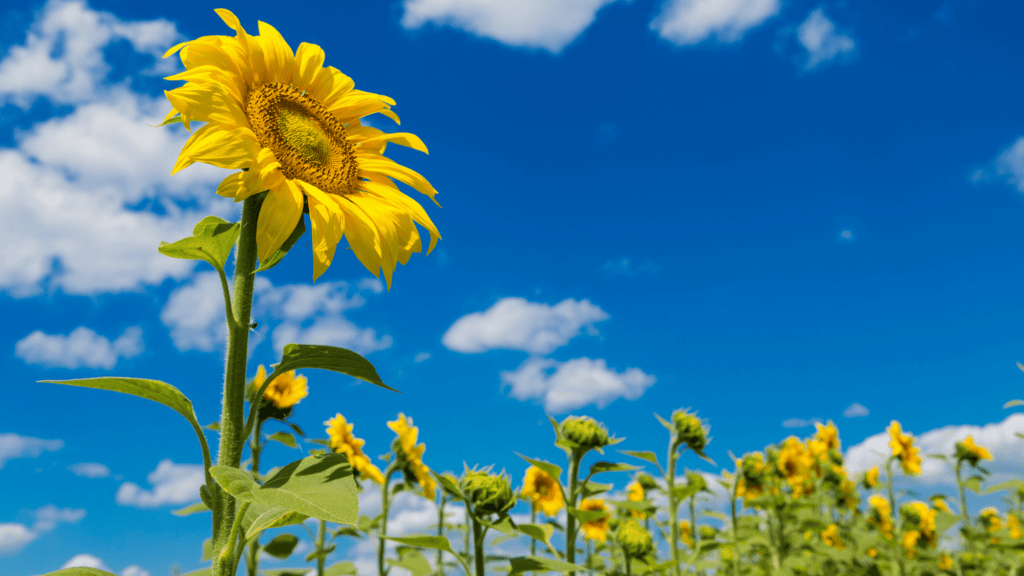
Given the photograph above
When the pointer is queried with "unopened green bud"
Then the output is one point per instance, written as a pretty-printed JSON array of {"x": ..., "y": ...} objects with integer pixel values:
[
  {"x": 689, "y": 431},
  {"x": 697, "y": 479},
  {"x": 636, "y": 542},
  {"x": 707, "y": 532},
  {"x": 489, "y": 493},
  {"x": 646, "y": 481},
  {"x": 585, "y": 431}
]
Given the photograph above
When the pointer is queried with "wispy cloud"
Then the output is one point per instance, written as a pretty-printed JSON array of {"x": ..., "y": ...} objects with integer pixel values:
[
  {"x": 14, "y": 537},
  {"x": 817, "y": 34},
  {"x": 799, "y": 422},
  {"x": 517, "y": 324},
  {"x": 564, "y": 386},
  {"x": 856, "y": 410},
  {"x": 81, "y": 348},
  {"x": 16, "y": 446},
  {"x": 171, "y": 484},
  {"x": 90, "y": 470},
  {"x": 687, "y": 22},
  {"x": 547, "y": 24},
  {"x": 1007, "y": 166}
]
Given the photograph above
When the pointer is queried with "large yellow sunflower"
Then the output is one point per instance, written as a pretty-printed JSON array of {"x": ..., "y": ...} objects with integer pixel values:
[{"x": 293, "y": 127}]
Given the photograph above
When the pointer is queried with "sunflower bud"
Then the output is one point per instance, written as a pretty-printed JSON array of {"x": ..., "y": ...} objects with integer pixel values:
[
  {"x": 697, "y": 479},
  {"x": 689, "y": 431},
  {"x": 636, "y": 542},
  {"x": 707, "y": 532},
  {"x": 646, "y": 481},
  {"x": 585, "y": 431},
  {"x": 489, "y": 493}
]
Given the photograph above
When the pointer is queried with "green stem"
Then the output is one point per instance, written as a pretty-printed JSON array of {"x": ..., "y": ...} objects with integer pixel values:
[
  {"x": 735, "y": 538},
  {"x": 897, "y": 552},
  {"x": 570, "y": 521},
  {"x": 478, "y": 546},
  {"x": 231, "y": 423},
  {"x": 628, "y": 567},
  {"x": 440, "y": 532},
  {"x": 320, "y": 559},
  {"x": 384, "y": 520},
  {"x": 469, "y": 551},
  {"x": 533, "y": 520},
  {"x": 673, "y": 507},
  {"x": 253, "y": 559}
]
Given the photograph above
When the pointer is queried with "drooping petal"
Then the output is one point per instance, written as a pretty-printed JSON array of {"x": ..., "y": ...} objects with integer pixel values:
[
  {"x": 389, "y": 167},
  {"x": 279, "y": 215},
  {"x": 310, "y": 60},
  {"x": 328, "y": 223},
  {"x": 362, "y": 235}
]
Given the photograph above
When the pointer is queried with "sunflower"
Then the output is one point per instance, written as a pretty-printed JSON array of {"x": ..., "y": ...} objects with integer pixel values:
[
  {"x": 292, "y": 126},
  {"x": 971, "y": 452},
  {"x": 903, "y": 448},
  {"x": 686, "y": 533},
  {"x": 542, "y": 491},
  {"x": 595, "y": 529},
  {"x": 343, "y": 442},
  {"x": 408, "y": 452},
  {"x": 830, "y": 536},
  {"x": 635, "y": 493},
  {"x": 285, "y": 391}
]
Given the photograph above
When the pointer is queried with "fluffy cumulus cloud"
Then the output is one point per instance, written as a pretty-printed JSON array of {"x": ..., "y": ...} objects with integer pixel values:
[
  {"x": 299, "y": 313},
  {"x": 171, "y": 484},
  {"x": 82, "y": 347},
  {"x": 16, "y": 446},
  {"x": 818, "y": 36},
  {"x": 999, "y": 438},
  {"x": 517, "y": 324},
  {"x": 14, "y": 537},
  {"x": 90, "y": 470},
  {"x": 73, "y": 185},
  {"x": 547, "y": 24},
  {"x": 687, "y": 22},
  {"x": 564, "y": 386}
]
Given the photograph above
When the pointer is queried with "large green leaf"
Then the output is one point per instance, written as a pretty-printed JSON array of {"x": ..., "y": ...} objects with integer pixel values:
[
  {"x": 531, "y": 563},
  {"x": 319, "y": 486},
  {"x": 297, "y": 356},
  {"x": 540, "y": 532},
  {"x": 154, "y": 390},
  {"x": 79, "y": 572},
  {"x": 211, "y": 240},
  {"x": 550, "y": 469},
  {"x": 413, "y": 561},
  {"x": 587, "y": 515},
  {"x": 238, "y": 483},
  {"x": 276, "y": 257}
]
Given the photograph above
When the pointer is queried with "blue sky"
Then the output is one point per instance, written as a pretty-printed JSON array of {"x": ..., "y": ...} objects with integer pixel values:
[{"x": 770, "y": 212}]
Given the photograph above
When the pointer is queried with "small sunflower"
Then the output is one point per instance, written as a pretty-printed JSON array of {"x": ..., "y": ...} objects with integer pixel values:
[
  {"x": 971, "y": 452},
  {"x": 909, "y": 542},
  {"x": 542, "y": 490},
  {"x": 903, "y": 448},
  {"x": 595, "y": 529},
  {"x": 285, "y": 391},
  {"x": 343, "y": 442},
  {"x": 292, "y": 126},
  {"x": 830, "y": 536},
  {"x": 412, "y": 455},
  {"x": 871, "y": 478},
  {"x": 635, "y": 493},
  {"x": 686, "y": 533}
]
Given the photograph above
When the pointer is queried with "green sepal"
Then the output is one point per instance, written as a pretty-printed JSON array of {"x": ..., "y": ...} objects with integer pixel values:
[
  {"x": 538, "y": 563},
  {"x": 212, "y": 240},
  {"x": 281, "y": 546},
  {"x": 449, "y": 486},
  {"x": 280, "y": 253},
  {"x": 548, "y": 468}
]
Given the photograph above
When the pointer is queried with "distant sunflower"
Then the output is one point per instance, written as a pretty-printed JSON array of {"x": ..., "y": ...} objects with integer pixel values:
[
  {"x": 285, "y": 391},
  {"x": 595, "y": 529},
  {"x": 542, "y": 490},
  {"x": 344, "y": 442},
  {"x": 293, "y": 127},
  {"x": 411, "y": 455}
]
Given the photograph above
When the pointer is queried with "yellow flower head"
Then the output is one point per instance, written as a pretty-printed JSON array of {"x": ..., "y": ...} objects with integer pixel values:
[
  {"x": 881, "y": 515},
  {"x": 595, "y": 529},
  {"x": 796, "y": 465},
  {"x": 343, "y": 442},
  {"x": 971, "y": 452},
  {"x": 407, "y": 451},
  {"x": 292, "y": 127},
  {"x": 543, "y": 491},
  {"x": 1014, "y": 525},
  {"x": 990, "y": 519},
  {"x": 686, "y": 533},
  {"x": 945, "y": 562},
  {"x": 871, "y": 551},
  {"x": 830, "y": 536},
  {"x": 903, "y": 448},
  {"x": 940, "y": 504},
  {"x": 909, "y": 542},
  {"x": 871, "y": 478},
  {"x": 923, "y": 516},
  {"x": 285, "y": 391},
  {"x": 828, "y": 434},
  {"x": 635, "y": 493}
]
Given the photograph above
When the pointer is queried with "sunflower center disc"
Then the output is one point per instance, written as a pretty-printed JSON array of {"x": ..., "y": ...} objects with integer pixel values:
[{"x": 307, "y": 139}]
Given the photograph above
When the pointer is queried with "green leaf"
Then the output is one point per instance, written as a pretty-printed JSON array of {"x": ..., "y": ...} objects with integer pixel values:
[
  {"x": 320, "y": 486},
  {"x": 189, "y": 510},
  {"x": 207, "y": 550},
  {"x": 974, "y": 484},
  {"x": 297, "y": 356},
  {"x": 540, "y": 532},
  {"x": 276, "y": 257},
  {"x": 665, "y": 423},
  {"x": 1015, "y": 484},
  {"x": 432, "y": 542},
  {"x": 201, "y": 572},
  {"x": 531, "y": 563},
  {"x": 238, "y": 483},
  {"x": 413, "y": 561},
  {"x": 550, "y": 469},
  {"x": 79, "y": 572},
  {"x": 505, "y": 525},
  {"x": 154, "y": 390},
  {"x": 685, "y": 491},
  {"x": 297, "y": 429},
  {"x": 340, "y": 569},
  {"x": 284, "y": 438},
  {"x": 449, "y": 486},
  {"x": 599, "y": 467},
  {"x": 587, "y": 515},
  {"x": 643, "y": 455},
  {"x": 281, "y": 546},
  {"x": 588, "y": 489},
  {"x": 211, "y": 240},
  {"x": 260, "y": 517}
]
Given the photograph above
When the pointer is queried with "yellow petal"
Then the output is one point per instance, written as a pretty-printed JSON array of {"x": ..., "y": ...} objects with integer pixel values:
[
  {"x": 310, "y": 59},
  {"x": 231, "y": 20},
  {"x": 328, "y": 222},
  {"x": 232, "y": 149},
  {"x": 401, "y": 138},
  {"x": 389, "y": 167},
  {"x": 279, "y": 215},
  {"x": 362, "y": 235},
  {"x": 278, "y": 53}
]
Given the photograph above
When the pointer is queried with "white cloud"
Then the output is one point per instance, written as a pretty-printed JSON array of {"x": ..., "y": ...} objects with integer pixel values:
[
  {"x": 172, "y": 484},
  {"x": 517, "y": 324},
  {"x": 799, "y": 422},
  {"x": 300, "y": 313},
  {"x": 686, "y": 22},
  {"x": 14, "y": 537},
  {"x": 16, "y": 446},
  {"x": 134, "y": 570},
  {"x": 421, "y": 357},
  {"x": 547, "y": 24},
  {"x": 1009, "y": 165},
  {"x": 85, "y": 561},
  {"x": 564, "y": 386},
  {"x": 998, "y": 438},
  {"x": 856, "y": 410},
  {"x": 90, "y": 470},
  {"x": 818, "y": 36},
  {"x": 62, "y": 57},
  {"x": 82, "y": 347}
]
